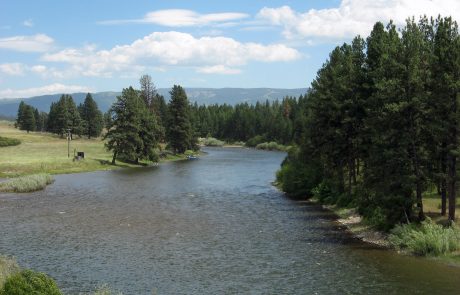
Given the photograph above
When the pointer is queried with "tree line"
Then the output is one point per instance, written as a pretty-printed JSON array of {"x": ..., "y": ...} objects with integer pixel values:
[
  {"x": 381, "y": 124},
  {"x": 64, "y": 116},
  {"x": 279, "y": 121}
]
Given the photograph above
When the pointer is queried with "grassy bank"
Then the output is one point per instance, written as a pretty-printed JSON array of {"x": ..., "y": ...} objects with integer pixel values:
[
  {"x": 8, "y": 267},
  {"x": 27, "y": 183},
  {"x": 431, "y": 238},
  {"x": 47, "y": 153}
]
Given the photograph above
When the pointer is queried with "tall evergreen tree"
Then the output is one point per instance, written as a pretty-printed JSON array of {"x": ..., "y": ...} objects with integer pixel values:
[
  {"x": 133, "y": 133},
  {"x": 180, "y": 134},
  {"x": 92, "y": 118},
  {"x": 28, "y": 121}
]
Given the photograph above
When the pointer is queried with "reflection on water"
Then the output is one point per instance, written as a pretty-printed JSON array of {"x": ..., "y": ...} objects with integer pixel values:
[{"x": 210, "y": 226}]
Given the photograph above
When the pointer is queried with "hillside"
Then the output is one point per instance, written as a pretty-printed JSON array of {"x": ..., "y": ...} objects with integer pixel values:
[{"x": 9, "y": 107}]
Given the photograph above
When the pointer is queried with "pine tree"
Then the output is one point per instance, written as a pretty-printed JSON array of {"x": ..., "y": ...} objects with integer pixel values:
[
  {"x": 20, "y": 116},
  {"x": 28, "y": 122},
  {"x": 180, "y": 133},
  {"x": 445, "y": 86},
  {"x": 92, "y": 118},
  {"x": 133, "y": 133}
]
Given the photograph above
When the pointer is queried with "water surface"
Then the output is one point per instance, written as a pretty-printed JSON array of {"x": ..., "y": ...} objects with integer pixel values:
[{"x": 208, "y": 226}]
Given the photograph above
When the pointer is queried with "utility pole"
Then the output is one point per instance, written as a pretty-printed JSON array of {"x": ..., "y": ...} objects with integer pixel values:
[{"x": 68, "y": 143}]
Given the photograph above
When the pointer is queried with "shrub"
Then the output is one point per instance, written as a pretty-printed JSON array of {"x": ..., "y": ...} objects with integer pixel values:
[
  {"x": 428, "y": 238},
  {"x": 6, "y": 141},
  {"x": 28, "y": 183},
  {"x": 325, "y": 193},
  {"x": 271, "y": 146},
  {"x": 8, "y": 267},
  {"x": 252, "y": 142},
  {"x": 105, "y": 290},
  {"x": 211, "y": 141},
  {"x": 30, "y": 282}
]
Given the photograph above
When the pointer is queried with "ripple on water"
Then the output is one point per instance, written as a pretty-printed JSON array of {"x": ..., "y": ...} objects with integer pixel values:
[{"x": 210, "y": 226}]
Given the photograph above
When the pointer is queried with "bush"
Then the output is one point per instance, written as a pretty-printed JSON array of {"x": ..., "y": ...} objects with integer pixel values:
[
  {"x": 271, "y": 146},
  {"x": 6, "y": 141},
  {"x": 428, "y": 238},
  {"x": 325, "y": 193},
  {"x": 25, "y": 184},
  {"x": 253, "y": 142},
  {"x": 8, "y": 267},
  {"x": 30, "y": 282},
  {"x": 211, "y": 141},
  {"x": 105, "y": 290}
]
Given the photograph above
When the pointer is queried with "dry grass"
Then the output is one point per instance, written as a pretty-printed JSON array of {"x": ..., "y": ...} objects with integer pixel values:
[
  {"x": 8, "y": 266},
  {"x": 27, "y": 183},
  {"x": 47, "y": 153}
]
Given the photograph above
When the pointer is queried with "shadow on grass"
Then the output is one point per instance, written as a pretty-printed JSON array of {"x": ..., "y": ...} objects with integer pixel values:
[{"x": 120, "y": 163}]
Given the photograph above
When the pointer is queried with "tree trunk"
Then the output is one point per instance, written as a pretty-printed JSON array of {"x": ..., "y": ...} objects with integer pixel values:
[
  {"x": 443, "y": 182},
  {"x": 114, "y": 157},
  {"x": 451, "y": 186},
  {"x": 452, "y": 160}
]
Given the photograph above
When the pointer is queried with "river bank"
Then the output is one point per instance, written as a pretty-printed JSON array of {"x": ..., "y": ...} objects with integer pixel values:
[
  {"x": 354, "y": 224},
  {"x": 47, "y": 153}
]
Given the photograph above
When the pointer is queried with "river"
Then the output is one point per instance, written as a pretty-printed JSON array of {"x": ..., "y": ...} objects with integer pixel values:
[{"x": 209, "y": 226}]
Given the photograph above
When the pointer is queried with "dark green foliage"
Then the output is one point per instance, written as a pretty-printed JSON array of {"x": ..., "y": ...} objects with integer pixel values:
[
  {"x": 63, "y": 116},
  {"x": 29, "y": 282},
  {"x": 180, "y": 134},
  {"x": 296, "y": 178},
  {"x": 380, "y": 123},
  {"x": 6, "y": 141},
  {"x": 134, "y": 133},
  {"x": 254, "y": 124},
  {"x": 28, "y": 118},
  {"x": 92, "y": 118}
]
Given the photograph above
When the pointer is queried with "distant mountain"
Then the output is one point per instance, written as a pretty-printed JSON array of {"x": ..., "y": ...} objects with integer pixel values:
[{"x": 9, "y": 107}]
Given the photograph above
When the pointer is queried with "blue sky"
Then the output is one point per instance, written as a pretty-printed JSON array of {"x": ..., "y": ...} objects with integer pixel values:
[{"x": 55, "y": 46}]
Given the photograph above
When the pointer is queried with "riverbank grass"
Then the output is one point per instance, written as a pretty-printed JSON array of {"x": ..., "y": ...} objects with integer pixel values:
[
  {"x": 426, "y": 239},
  {"x": 8, "y": 267},
  {"x": 47, "y": 153},
  {"x": 26, "y": 184}
]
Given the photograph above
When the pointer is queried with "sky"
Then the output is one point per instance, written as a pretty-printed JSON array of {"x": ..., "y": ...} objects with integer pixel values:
[{"x": 55, "y": 46}]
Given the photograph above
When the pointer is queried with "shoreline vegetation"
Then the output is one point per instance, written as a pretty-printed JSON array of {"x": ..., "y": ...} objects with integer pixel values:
[
  {"x": 429, "y": 239},
  {"x": 28, "y": 166},
  {"x": 268, "y": 146},
  {"x": 380, "y": 136}
]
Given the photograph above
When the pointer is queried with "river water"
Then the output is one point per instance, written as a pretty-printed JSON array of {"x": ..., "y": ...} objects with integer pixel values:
[{"x": 209, "y": 226}]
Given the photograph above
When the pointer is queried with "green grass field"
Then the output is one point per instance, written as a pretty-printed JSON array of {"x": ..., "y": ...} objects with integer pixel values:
[{"x": 47, "y": 153}]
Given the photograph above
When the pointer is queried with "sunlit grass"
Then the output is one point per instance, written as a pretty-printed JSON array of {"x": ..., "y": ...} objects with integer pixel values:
[
  {"x": 8, "y": 267},
  {"x": 427, "y": 238},
  {"x": 47, "y": 153},
  {"x": 27, "y": 183}
]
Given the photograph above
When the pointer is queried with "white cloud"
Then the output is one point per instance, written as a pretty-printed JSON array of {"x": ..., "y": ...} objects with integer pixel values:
[
  {"x": 34, "y": 43},
  {"x": 38, "y": 69},
  {"x": 55, "y": 88},
  {"x": 182, "y": 18},
  {"x": 218, "y": 69},
  {"x": 28, "y": 23},
  {"x": 171, "y": 49},
  {"x": 353, "y": 17},
  {"x": 13, "y": 69}
]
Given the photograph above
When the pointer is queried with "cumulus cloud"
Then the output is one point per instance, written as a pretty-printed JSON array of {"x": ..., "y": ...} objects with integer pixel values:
[
  {"x": 218, "y": 69},
  {"x": 55, "y": 88},
  {"x": 182, "y": 18},
  {"x": 12, "y": 69},
  {"x": 208, "y": 54},
  {"x": 28, "y": 23},
  {"x": 34, "y": 43},
  {"x": 353, "y": 17}
]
